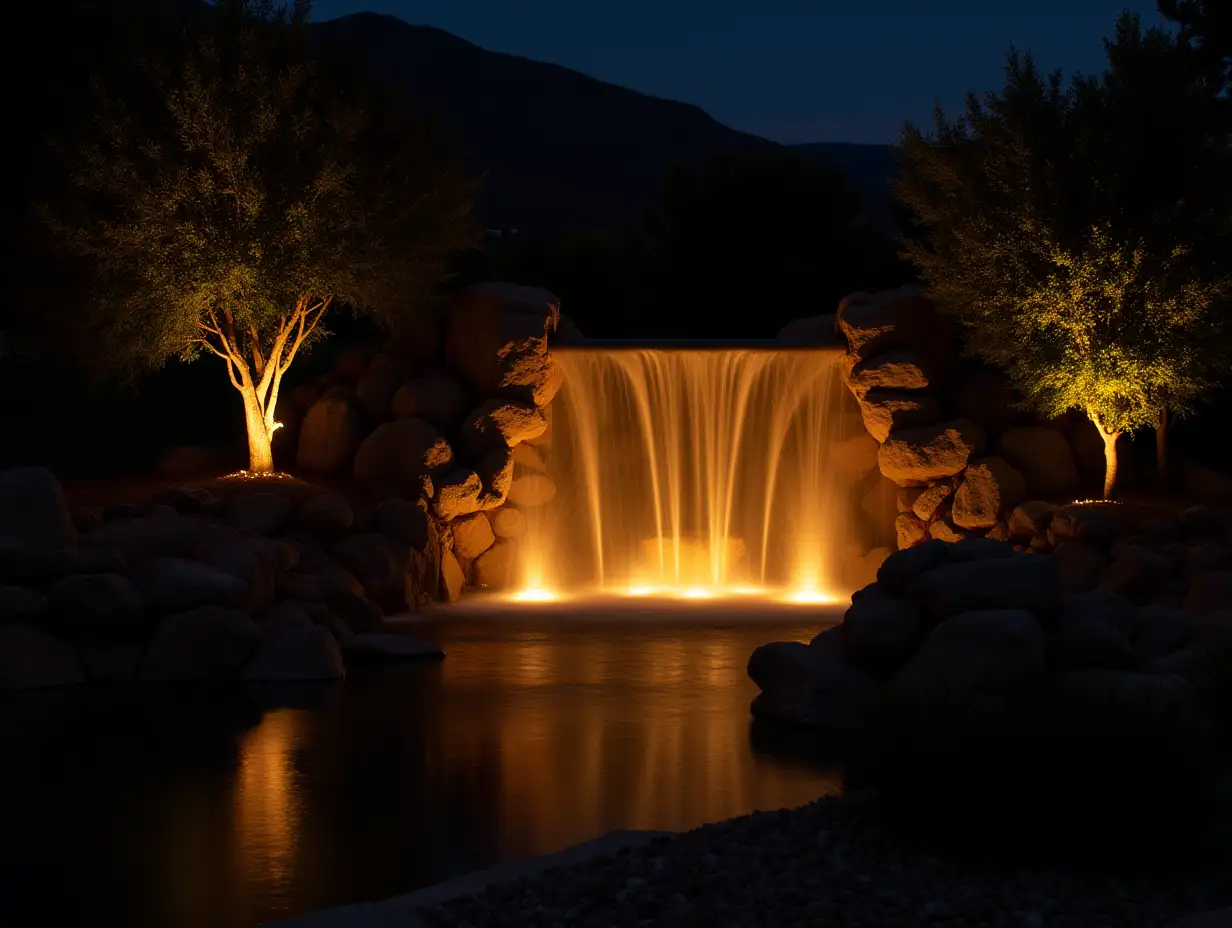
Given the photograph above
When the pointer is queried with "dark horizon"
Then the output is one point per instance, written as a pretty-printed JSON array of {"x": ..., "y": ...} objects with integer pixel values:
[{"x": 792, "y": 74}]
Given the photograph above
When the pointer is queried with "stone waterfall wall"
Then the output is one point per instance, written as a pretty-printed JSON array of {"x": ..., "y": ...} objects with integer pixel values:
[
  {"x": 454, "y": 416},
  {"x": 966, "y": 461}
]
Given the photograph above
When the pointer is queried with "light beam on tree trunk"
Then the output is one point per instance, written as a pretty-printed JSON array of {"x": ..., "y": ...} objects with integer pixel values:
[
  {"x": 1161, "y": 446},
  {"x": 257, "y": 374},
  {"x": 1110, "y": 437}
]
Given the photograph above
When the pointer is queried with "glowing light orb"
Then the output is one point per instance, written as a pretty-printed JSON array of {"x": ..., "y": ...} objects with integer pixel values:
[
  {"x": 534, "y": 595},
  {"x": 640, "y": 591},
  {"x": 697, "y": 592}
]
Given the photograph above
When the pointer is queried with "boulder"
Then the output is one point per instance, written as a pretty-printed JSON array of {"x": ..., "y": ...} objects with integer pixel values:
[
  {"x": 909, "y": 530},
  {"x": 283, "y": 616},
  {"x": 990, "y": 487},
  {"x": 1152, "y": 695},
  {"x": 162, "y": 533},
  {"x": 1044, "y": 458},
  {"x": 527, "y": 458},
  {"x": 259, "y": 513},
  {"x": 1034, "y": 517},
  {"x": 544, "y": 440},
  {"x": 885, "y": 411},
  {"x": 1160, "y": 631},
  {"x": 207, "y": 643},
  {"x": 173, "y": 584},
  {"x": 472, "y": 535},
  {"x": 32, "y": 659},
  {"x": 1114, "y": 610},
  {"x": 983, "y": 396},
  {"x": 495, "y": 568},
  {"x": 1079, "y": 564},
  {"x": 496, "y": 337},
  {"x": 187, "y": 500},
  {"x": 999, "y": 532},
  {"x": 1135, "y": 572},
  {"x": 1208, "y": 592},
  {"x": 453, "y": 580},
  {"x": 257, "y": 563},
  {"x": 905, "y": 498},
  {"x": 403, "y": 520},
  {"x": 508, "y": 523},
  {"x": 330, "y": 433},
  {"x": 499, "y": 423},
  {"x": 1199, "y": 522},
  {"x": 376, "y": 562},
  {"x": 22, "y": 606},
  {"x": 916, "y": 457},
  {"x": 890, "y": 319},
  {"x": 902, "y": 567},
  {"x": 457, "y": 493},
  {"x": 944, "y": 529},
  {"x": 1025, "y": 582},
  {"x": 974, "y": 648},
  {"x": 302, "y": 653},
  {"x": 1098, "y": 523},
  {"x": 853, "y": 457},
  {"x": 1085, "y": 638},
  {"x": 325, "y": 514},
  {"x": 374, "y": 391},
  {"x": 893, "y": 370},
  {"x": 881, "y": 631},
  {"x": 398, "y": 455},
  {"x": 532, "y": 490},
  {"x": 930, "y": 499},
  {"x": 495, "y": 470},
  {"x": 353, "y": 612},
  {"x": 421, "y": 575},
  {"x": 33, "y": 510},
  {"x": 440, "y": 400},
  {"x": 96, "y": 605},
  {"x": 384, "y": 648},
  {"x": 802, "y": 685}
]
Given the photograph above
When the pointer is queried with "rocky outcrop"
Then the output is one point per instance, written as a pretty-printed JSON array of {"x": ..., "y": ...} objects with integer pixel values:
[
  {"x": 920, "y": 456},
  {"x": 953, "y": 624}
]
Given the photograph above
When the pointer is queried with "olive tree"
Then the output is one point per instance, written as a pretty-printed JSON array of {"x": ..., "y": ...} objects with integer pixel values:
[
  {"x": 1073, "y": 245},
  {"x": 241, "y": 188}
]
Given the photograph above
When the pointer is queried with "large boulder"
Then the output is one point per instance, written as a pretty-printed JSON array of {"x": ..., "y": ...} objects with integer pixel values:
[
  {"x": 32, "y": 659},
  {"x": 377, "y": 562},
  {"x": 404, "y": 520},
  {"x": 453, "y": 579},
  {"x": 495, "y": 470},
  {"x": 438, "y": 399},
  {"x": 457, "y": 493},
  {"x": 1097, "y": 523},
  {"x": 803, "y": 685},
  {"x": 164, "y": 532},
  {"x": 890, "y": 319},
  {"x": 397, "y": 457},
  {"x": 374, "y": 392},
  {"x": 258, "y": 562},
  {"x": 33, "y": 510},
  {"x": 172, "y": 584},
  {"x": 1031, "y": 518},
  {"x": 472, "y": 535},
  {"x": 990, "y": 487},
  {"x": 532, "y": 490},
  {"x": 1136, "y": 572},
  {"x": 292, "y": 654},
  {"x": 1079, "y": 564},
  {"x": 508, "y": 522},
  {"x": 496, "y": 337},
  {"x": 496, "y": 567},
  {"x": 916, "y": 457},
  {"x": 325, "y": 514},
  {"x": 881, "y": 631},
  {"x": 973, "y": 649},
  {"x": 101, "y": 605},
  {"x": 931, "y": 499},
  {"x": 208, "y": 643},
  {"x": 1044, "y": 458},
  {"x": 499, "y": 422},
  {"x": 909, "y": 530},
  {"x": 329, "y": 435},
  {"x": 1025, "y": 582},
  {"x": 884, "y": 411},
  {"x": 894, "y": 370},
  {"x": 260, "y": 513}
]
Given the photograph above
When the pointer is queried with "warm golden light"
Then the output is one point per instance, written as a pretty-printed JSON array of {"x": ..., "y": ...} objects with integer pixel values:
[
  {"x": 252, "y": 475},
  {"x": 535, "y": 595},
  {"x": 700, "y": 474}
]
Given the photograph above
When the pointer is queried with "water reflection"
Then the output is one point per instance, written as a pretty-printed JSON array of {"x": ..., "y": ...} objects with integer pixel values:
[{"x": 215, "y": 810}]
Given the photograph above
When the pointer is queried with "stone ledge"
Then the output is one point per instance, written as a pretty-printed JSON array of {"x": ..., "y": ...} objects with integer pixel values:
[{"x": 400, "y": 910}]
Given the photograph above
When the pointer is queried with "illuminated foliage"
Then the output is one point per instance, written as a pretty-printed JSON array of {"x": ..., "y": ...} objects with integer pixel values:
[
  {"x": 237, "y": 190},
  {"x": 1073, "y": 231}
]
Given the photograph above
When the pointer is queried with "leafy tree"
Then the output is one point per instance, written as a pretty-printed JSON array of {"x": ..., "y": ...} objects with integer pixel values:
[
  {"x": 1079, "y": 252},
  {"x": 241, "y": 189}
]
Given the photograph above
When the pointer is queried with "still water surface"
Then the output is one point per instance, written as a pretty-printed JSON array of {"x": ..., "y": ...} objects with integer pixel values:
[{"x": 220, "y": 810}]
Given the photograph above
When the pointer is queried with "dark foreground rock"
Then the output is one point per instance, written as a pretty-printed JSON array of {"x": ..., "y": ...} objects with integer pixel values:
[{"x": 827, "y": 863}]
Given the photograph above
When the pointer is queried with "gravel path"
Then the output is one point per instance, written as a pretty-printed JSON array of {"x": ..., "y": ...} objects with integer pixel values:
[{"x": 826, "y": 863}]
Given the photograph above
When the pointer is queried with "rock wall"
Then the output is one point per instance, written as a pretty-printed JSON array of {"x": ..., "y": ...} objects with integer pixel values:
[
  {"x": 951, "y": 438},
  {"x": 456, "y": 414}
]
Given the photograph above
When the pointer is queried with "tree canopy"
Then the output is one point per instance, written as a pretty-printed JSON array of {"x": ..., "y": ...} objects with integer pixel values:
[
  {"x": 1070, "y": 229},
  {"x": 239, "y": 188}
]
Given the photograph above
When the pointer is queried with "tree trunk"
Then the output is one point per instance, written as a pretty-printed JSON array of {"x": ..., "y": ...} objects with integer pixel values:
[
  {"x": 260, "y": 450},
  {"x": 1110, "y": 461},
  {"x": 1161, "y": 447}
]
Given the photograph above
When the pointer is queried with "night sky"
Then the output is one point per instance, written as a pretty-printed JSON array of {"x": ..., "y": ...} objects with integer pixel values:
[{"x": 796, "y": 70}]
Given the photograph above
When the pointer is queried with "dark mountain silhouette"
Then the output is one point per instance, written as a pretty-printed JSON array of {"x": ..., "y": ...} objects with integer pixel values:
[{"x": 562, "y": 151}]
